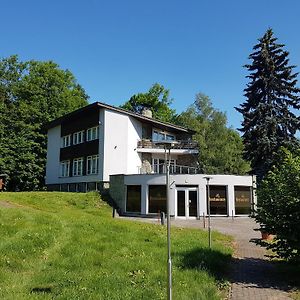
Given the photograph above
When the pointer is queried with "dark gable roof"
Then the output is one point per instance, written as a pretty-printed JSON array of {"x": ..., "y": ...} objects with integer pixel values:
[{"x": 95, "y": 105}]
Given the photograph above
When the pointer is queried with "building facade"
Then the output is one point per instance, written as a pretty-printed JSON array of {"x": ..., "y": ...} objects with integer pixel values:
[
  {"x": 100, "y": 146},
  {"x": 86, "y": 146},
  {"x": 230, "y": 195}
]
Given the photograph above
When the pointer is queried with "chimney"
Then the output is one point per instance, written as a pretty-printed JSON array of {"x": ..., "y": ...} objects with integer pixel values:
[{"x": 147, "y": 112}]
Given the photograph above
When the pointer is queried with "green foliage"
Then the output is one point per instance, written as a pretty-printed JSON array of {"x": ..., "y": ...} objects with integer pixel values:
[
  {"x": 67, "y": 246},
  {"x": 278, "y": 209},
  {"x": 156, "y": 99},
  {"x": 220, "y": 148},
  {"x": 271, "y": 95},
  {"x": 31, "y": 94}
]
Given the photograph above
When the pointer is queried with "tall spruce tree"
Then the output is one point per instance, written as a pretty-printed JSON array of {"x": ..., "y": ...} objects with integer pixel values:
[{"x": 271, "y": 100}]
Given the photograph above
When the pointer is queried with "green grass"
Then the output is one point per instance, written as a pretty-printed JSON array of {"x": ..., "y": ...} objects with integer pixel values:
[{"x": 67, "y": 246}]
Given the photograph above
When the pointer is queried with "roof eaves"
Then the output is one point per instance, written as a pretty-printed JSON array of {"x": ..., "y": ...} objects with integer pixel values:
[{"x": 61, "y": 119}]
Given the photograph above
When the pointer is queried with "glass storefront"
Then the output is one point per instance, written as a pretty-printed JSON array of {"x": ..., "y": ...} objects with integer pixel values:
[
  {"x": 242, "y": 200},
  {"x": 218, "y": 200},
  {"x": 133, "y": 203},
  {"x": 157, "y": 198}
]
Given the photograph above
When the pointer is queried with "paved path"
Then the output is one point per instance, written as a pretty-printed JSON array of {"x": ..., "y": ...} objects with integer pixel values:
[{"x": 253, "y": 276}]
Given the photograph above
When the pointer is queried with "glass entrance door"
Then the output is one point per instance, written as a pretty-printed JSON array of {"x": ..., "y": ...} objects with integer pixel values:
[{"x": 187, "y": 202}]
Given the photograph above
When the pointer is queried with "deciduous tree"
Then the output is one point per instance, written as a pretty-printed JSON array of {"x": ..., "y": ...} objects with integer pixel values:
[
  {"x": 220, "y": 147},
  {"x": 278, "y": 210},
  {"x": 156, "y": 99},
  {"x": 31, "y": 94}
]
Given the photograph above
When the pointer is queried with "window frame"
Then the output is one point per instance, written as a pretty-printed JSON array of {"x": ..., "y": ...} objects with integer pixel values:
[
  {"x": 78, "y": 137},
  {"x": 92, "y": 159},
  {"x": 64, "y": 170},
  {"x": 157, "y": 167},
  {"x": 90, "y": 136},
  {"x": 66, "y": 141},
  {"x": 165, "y": 134},
  {"x": 76, "y": 163}
]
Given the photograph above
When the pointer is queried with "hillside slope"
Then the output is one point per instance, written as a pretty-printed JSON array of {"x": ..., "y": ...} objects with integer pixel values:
[{"x": 67, "y": 246}]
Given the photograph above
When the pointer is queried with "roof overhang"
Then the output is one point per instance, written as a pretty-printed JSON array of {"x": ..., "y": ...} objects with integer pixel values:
[{"x": 95, "y": 105}]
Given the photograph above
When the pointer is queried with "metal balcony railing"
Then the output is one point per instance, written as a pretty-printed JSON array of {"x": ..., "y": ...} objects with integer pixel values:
[
  {"x": 174, "y": 169},
  {"x": 182, "y": 144}
]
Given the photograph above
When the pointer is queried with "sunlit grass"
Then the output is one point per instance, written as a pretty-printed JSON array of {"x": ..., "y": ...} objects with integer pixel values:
[{"x": 67, "y": 246}]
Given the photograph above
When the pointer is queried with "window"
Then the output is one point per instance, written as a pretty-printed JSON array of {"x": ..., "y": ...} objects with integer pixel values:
[
  {"x": 65, "y": 168},
  {"x": 157, "y": 198},
  {"x": 162, "y": 136},
  {"x": 133, "y": 203},
  {"x": 218, "y": 200},
  {"x": 242, "y": 195},
  {"x": 77, "y": 166},
  {"x": 78, "y": 137},
  {"x": 66, "y": 141},
  {"x": 92, "y": 164},
  {"x": 158, "y": 165},
  {"x": 92, "y": 133}
]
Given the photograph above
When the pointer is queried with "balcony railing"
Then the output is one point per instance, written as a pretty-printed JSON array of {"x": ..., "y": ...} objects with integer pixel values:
[
  {"x": 177, "y": 169},
  {"x": 182, "y": 144}
]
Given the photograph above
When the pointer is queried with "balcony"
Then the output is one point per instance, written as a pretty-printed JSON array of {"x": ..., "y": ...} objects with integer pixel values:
[
  {"x": 182, "y": 147},
  {"x": 174, "y": 169}
]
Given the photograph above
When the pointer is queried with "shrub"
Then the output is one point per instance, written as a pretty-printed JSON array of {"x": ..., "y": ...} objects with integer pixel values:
[{"x": 278, "y": 209}]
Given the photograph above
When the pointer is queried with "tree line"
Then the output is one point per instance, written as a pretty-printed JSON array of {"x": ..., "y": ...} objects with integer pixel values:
[
  {"x": 32, "y": 93},
  {"x": 220, "y": 147}
]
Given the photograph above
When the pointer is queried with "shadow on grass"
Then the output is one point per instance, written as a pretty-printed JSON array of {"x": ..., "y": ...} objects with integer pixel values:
[{"x": 213, "y": 262}]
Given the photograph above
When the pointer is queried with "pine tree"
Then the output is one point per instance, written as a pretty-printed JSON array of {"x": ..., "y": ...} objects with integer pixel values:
[{"x": 271, "y": 100}]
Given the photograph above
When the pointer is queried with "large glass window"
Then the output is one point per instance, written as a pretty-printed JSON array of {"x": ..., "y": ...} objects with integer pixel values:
[
  {"x": 158, "y": 165},
  {"x": 242, "y": 197},
  {"x": 157, "y": 198},
  {"x": 162, "y": 136},
  {"x": 77, "y": 166},
  {"x": 66, "y": 141},
  {"x": 218, "y": 200},
  {"x": 92, "y": 164},
  {"x": 92, "y": 133},
  {"x": 65, "y": 168},
  {"x": 133, "y": 203}
]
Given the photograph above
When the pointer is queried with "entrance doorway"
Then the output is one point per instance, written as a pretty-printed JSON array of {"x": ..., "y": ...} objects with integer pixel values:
[{"x": 187, "y": 202}]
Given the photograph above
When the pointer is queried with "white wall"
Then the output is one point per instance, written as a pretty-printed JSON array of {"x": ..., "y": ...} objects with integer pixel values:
[
  {"x": 53, "y": 151},
  {"x": 134, "y": 135},
  {"x": 121, "y": 134}
]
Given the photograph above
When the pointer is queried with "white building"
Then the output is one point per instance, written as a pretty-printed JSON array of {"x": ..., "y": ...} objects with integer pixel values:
[
  {"x": 230, "y": 195},
  {"x": 90, "y": 145}
]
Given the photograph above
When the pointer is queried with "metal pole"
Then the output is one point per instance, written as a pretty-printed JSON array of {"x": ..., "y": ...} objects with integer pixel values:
[
  {"x": 169, "y": 230},
  {"x": 208, "y": 212}
]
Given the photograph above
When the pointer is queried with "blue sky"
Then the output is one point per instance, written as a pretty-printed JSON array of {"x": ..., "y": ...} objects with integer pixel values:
[{"x": 118, "y": 48}]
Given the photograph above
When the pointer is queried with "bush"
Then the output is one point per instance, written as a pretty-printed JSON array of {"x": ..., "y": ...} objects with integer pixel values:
[{"x": 278, "y": 209}]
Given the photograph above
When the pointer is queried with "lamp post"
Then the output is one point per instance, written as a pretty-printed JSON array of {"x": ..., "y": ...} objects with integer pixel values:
[
  {"x": 168, "y": 145},
  {"x": 208, "y": 178}
]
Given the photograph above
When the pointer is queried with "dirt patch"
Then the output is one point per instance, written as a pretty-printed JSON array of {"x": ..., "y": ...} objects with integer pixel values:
[{"x": 7, "y": 204}]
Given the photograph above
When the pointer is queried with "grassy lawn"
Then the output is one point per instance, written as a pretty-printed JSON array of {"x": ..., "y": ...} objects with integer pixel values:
[{"x": 67, "y": 246}]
